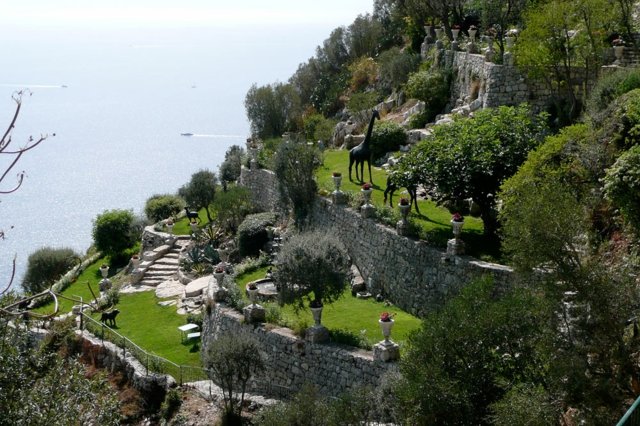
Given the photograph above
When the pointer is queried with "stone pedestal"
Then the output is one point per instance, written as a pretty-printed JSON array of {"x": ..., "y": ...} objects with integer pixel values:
[
  {"x": 317, "y": 334},
  {"x": 220, "y": 294},
  {"x": 455, "y": 46},
  {"x": 339, "y": 198},
  {"x": 386, "y": 351},
  {"x": 455, "y": 246},
  {"x": 104, "y": 285},
  {"x": 507, "y": 59},
  {"x": 402, "y": 227},
  {"x": 367, "y": 210},
  {"x": 254, "y": 313}
]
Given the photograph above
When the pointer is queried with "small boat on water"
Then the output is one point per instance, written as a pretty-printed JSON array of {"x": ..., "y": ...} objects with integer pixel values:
[{"x": 186, "y": 134}]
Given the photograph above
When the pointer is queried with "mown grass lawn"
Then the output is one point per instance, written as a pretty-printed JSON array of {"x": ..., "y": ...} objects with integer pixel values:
[
  {"x": 155, "y": 328},
  {"x": 433, "y": 222},
  {"x": 348, "y": 313},
  {"x": 90, "y": 277},
  {"x": 182, "y": 226}
]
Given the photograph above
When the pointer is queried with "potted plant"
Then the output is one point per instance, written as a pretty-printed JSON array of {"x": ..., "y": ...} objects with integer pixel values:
[
  {"x": 510, "y": 37},
  {"x": 135, "y": 261},
  {"x": 194, "y": 225},
  {"x": 386, "y": 323},
  {"x": 457, "y": 221},
  {"x": 218, "y": 274},
  {"x": 404, "y": 207},
  {"x": 170, "y": 223},
  {"x": 618, "y": 48},
  {"x": 316, "y": 311}
]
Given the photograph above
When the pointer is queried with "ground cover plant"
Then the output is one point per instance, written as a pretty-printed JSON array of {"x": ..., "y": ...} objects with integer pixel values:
[{"x": 358, "y": 317}]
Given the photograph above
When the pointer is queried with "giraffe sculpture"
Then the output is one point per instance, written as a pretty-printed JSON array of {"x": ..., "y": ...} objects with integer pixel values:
[{"x": 361, "y": 153}]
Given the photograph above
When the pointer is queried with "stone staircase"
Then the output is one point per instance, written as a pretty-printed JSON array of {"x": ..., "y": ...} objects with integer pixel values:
[{"x": 159, "y": 266}]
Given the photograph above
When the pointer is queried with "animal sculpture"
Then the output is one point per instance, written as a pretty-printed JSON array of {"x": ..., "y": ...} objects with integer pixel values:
[
  {"x": 109, "y": 317},
  {"x": 395, "y": 181},
  {"x": 192, "y": 215},
  {"x": 361, "y": 153}
]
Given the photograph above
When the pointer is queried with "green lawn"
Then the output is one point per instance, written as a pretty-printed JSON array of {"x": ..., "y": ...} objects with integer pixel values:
[
  {"x": 79, "y": 288},
  {"x": 433, "y": 222},
  {"x": 155, "y": 328},
  {"x": 182, "y": 226},
  {"x": 348, "y": 313}
]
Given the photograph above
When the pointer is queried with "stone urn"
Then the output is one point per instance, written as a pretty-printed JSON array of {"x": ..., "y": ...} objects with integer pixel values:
[
  {"x": 193, "y": 226},
  {"x": 618, "y": 51},
  {"x": 218, "y": 274},
  {"x": 455, "y": 32},
  {"x": 170, "y": 226},
  {"x": 438, "y": 33},
  {"x": 510, "y": 41},
  {"x": 135, "y": 261},
  {"x": 252, "y": 292},
  {"x": 316, "y": 312},
  {"x": 404, "y": 207},
  {"x": 472, "y": 34},
  {"x": 456, "y": 224},
  {"x": 337, "y": 180},
  {"x": 386, "y": 324},
  {"x": 104, "y": 270},
  {"x": 427, "y": 29},
  {"x": 366, "y": 193}
]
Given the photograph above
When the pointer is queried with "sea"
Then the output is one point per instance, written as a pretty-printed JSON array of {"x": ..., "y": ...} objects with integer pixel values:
[{"x": 118, "y": 102}]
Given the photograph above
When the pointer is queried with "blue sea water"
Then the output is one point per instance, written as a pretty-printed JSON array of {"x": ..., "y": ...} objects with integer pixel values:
[{"x": 118, "y": 103}]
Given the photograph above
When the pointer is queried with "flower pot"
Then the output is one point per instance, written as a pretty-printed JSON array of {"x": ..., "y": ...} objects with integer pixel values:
[
  {"x": 366, "y": 193},
  {"x": 427, "y": 29},
  {"x": 253, "y": 295},
  {"x": 170, "y": 227},
  {"x": 194, "y": 227},
  {"x": 219, "y": 276},
  {"x": 317, "y": 315},
  {"x": 438, "y": 33},
  {"x": 104, "y": 270},
  {"x": 454, "y": 33},
  {"x": 619, "y": 52},
  {"x": 472, "y": 35},
  {"x": 404, "y": 211},
  {"x": 135, "y": 261},
  {"x": 386, "y": 329},
  {"x": 510, "y": 41},
  {"x": 457, "y": 228},
  {"x": 337, "y": 181}
]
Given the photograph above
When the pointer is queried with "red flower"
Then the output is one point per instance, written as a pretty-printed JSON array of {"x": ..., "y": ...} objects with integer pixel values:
[
  {"x": 404, "y": 202},
  {"x": 457, "y": 217},
  {"x": 386, "y": 316},
  {"x": 366, "y": 186}
]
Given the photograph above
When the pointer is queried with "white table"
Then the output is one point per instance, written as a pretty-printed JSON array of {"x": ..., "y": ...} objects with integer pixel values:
[{"x": 184, "y": 329}]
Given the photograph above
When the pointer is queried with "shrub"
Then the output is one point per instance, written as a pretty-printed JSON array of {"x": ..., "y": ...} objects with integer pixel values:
[
  {"x": 171, "y": 404},
  {"x": 395, "y": 66},
  {"x": 364, "y": 73},
  {"x": 362, "y": 101},
  {"x": 311, "y": 263},
  {"x": 46, "y": 265},
  {"x": 162, "y": 206},
  {"x": 230, "y": 167},
  {"x": 252, "y": 233},
  {"x": 112, "y": 231},
  {"x": 622, "y": 185},
  {"x": 608, "y": 88},
  {"x": 387, "y": 136},
  {"x": 195, "y": 318},
  {"x": 232, "y": 207},
  {"x": 432, "y": 88}
]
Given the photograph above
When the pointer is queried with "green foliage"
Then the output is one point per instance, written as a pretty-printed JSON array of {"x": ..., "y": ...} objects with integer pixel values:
[
  {"x": 194, "y": 318},
  {"x": 622, "y": 185},
  {"x": 294, "y": 167},
  {"x": 171, "y": 404},
  {"x": 433, "y": 88},
  {"x": 159, "y": 207},
  {"x": 363, "y": 37},
  {"x": 200, "y": 191},
  {"x": 608, "y": 88},
  {"x": 232, "y": 207},
  {"x": 252, "y": 233},
  {"x": 39, "y": 385},
  {"x": 273, "y": 109},
  {"x": 395, "y": 67},
  {"x": 308, "y": 263},
  {"x": 387, "y": 136},
  {"x": 232, "y": 164},
  {"x": 231, "y": 361},
  {"x": 46, "y": 265},
  {"x": 364, "y": 73},
  {"x": 362, "y": 101},
  {"x": 112, "y": 231},
  {"x": 525, "y": 404},
  {"x": 470, "y": 353},
  {"x": 471, "y": 157}
]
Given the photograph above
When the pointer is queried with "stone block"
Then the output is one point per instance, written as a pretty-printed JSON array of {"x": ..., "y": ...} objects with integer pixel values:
[
  {"x": 254, "y": 313},
  {"x": 386, "y": 351},
  {"x": 317, "y": 334}
]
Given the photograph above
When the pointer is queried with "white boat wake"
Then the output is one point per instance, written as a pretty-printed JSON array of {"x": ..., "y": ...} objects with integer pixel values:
[
  {"x": 202, "y": 135},
  {"x": 34, "y": 86}
]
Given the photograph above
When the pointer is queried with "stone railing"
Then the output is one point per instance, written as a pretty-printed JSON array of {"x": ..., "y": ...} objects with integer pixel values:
[{"x": 292, "y": 362}]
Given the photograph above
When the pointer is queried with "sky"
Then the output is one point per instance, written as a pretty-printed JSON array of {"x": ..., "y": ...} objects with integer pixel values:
[{"x": 113, "y": 14}]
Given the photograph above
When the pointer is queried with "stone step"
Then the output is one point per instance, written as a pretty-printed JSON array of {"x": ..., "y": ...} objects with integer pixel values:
[
  {"x": 152, "y": 282},
  {"x": 158, "y": 274},
  {"x": 157, "y": 267}
]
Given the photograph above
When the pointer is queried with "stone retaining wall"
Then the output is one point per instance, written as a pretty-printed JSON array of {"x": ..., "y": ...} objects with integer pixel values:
[
  {"x": 410, "y": 273},
  {"x": 264, "y": 187},
  {"x": 292, "y": 362}
]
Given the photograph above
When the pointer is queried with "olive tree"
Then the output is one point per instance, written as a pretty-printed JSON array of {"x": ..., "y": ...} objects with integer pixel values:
[
  {"x": 162, "y": 206},
  {"x": 46, "y": 265},
  {"x": 112, "y": 231},
  {"x": 232, "y": 164},
  {"x": 231, "y": 360},
  {"x": 311, "y": 263},
  {"x": 200, "y": 191}
]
